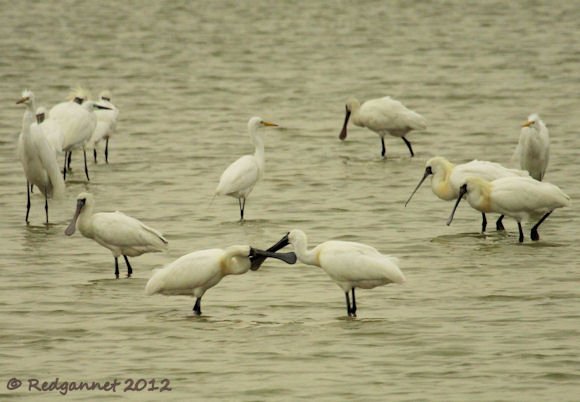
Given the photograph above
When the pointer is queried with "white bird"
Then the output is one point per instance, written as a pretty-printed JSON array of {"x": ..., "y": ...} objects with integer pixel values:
[
  {"x": 239, "y": 179},
  {"x": 533, "y": 148},
  {"x": 383, "y": 116},
  {"x": 37, "y": 157},
  {"x": 121, "y": 234},
  {"x": 350, "y": 265},
  {"x": 520, "y": 198},
  {"x": 194, "y": 273},
  {"x": 107, "y": 114},
  {"x": 51, "y": 130},
  {"x": 77, "y": 121},
  {"x": 447, "y": 178}
]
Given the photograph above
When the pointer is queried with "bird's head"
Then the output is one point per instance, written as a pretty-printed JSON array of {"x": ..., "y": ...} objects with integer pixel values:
[
  {"x": 83, "y": 199},
  {"x": 40, "y": 114},
  {"x": 257, "y": 122},
  {"x": 533, "y": 121},
  {"x": 26, "y": 98}
]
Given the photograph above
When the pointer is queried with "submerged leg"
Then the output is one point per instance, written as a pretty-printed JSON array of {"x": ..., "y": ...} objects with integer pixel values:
[
  {"x": 353, "y": 310},
  {"x": 107, "y": 151},
  {"x": 409, "y": 146},
  {"x": 348, "y": 309},
  {"x": 116, "y": 268},
  {"x": 64, "y": 169},
  {"x": 69, "y": 160},
  {"x": 95, "y": 154},
  {"x": 129, "y": 268},
  {"x": 32, "y": 188},
  {"x": 46, "y": 208},
  {"x": 483, "y": 222},
  {"x": 197, "y": 306},
  {"x": 383, "y": 150},
  {"x": 499, "y": 225},
  {"x": 521, "y": 239},
  {"x": 86, "y": 168},
  {"x": 27, "y": 201},
  {"x": 535, "y": 235},
  {"x": 242, "y": 202}
]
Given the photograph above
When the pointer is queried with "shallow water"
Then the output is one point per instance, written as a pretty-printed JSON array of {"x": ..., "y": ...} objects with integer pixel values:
[{"x": 481, "y": 317}]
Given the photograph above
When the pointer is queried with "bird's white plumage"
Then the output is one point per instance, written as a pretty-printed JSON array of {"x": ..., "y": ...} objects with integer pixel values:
[
  {"x": 51, "y": 130},
  {"x": 533, "y": 149},
  {"x": 106, "y": 119},
  {"x": 77, "y": 122}
]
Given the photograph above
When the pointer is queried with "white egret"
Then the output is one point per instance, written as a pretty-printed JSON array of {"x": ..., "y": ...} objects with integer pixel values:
[
  {"x": 51, "y": 130},
  {"x": 37, "y": 157},
  {"x": 383, "y": 116},
  {"x": 447, "y": 178},
  {"x": 350, "y": 265},
  {"x": 193, "y": 274},
  {"x": 121, "y": 234},
  {"x": 533, "y": 148},
  {"x": 521, "y": 198},
  {"x": 107, "y": 114},
  {"x": 239, "y": 179}
]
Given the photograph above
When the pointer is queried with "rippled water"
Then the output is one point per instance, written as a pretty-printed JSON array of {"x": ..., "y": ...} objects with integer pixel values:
[{"x": 480, "y": 317}]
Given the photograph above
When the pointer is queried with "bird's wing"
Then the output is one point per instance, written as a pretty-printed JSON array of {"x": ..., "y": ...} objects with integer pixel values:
[
  {"x": 388, "y": 112},
  {"x": 239, "y": 176},
  {"x": 47, "y": 157},
  {"x": 527, "y": 195},
  {"x": 125, "y": 231},
  {"x": 486, "y": 170}
]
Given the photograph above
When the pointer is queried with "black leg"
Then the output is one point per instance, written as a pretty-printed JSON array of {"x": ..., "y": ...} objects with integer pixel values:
[
  {"x": 499, "y": 224},
  {"x": 46, "y": 208},
  {"x": 86, "y": 168},
  {"x": 95, "y": 154},
  {"x": 535, "y": 235},
  {"x": 27, "y": 201},
  {"x": 383, "y": 150},
  {"x": 521, "y": 239},
  {"x": 353, "y": 311},
  {"x": 242, "y": 202},
  {"x": 32, "y": 188},
  {"x": 129, "y": 268},
  {"x": 69, "y": 160},
  {"x": 64, "y": 170},
  {"x": 409, "y": 146},
  {"x": 116, "y": 268},
  {"x": 197, "y": 306},
  {"x": 483, "y": 222},
  {"x": 107, "y": 151},
  {"x": 348, "y": 310}
]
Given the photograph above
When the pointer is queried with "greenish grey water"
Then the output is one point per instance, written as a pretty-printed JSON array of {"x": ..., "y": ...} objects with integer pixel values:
[{"x": 480, "y": 317}]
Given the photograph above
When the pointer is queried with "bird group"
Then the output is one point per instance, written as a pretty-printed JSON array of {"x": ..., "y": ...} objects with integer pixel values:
[{"x": 81, "y": 123}]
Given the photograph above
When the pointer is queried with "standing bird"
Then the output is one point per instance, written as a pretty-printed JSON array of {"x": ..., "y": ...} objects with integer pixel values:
[
  {"x": 121, "y": 234},
  {"x": 518, "y": 197},
  {"x": 447, "y": 178},
  {"x": 239, "y": 179},
  {"x": 193, "y": 274},
  {"x": 383, "y": 116},
  {"x": 37, "y": 157},
  {"x": 107, "y": 114},
  {"x": 51, "y": 130},
  {"x": 533, "y": 148},
  {"x": 351, "y": 265}
]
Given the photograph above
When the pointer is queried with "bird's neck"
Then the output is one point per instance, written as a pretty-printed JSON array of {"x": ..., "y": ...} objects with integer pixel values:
[
  {"x": 441, "y": 184},
  {"x": 258, "y": 142},
  {"x": 306, "y": 256},
  {"x": 29, "y": 115},
  {"x": 84, "y": 221},
  {"x": 235, "y": 261}
]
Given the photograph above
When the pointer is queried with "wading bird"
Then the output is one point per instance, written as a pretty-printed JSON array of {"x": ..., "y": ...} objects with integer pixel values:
[
  {"x": 533, "y": 148},
  {"x": 121, "y": 234},
  {"x": 520, "y": 198},
  {"x": 239, "y": 179},
  {"x": 447, "y": 178},
  {"x": 383, "y": 116},
  {"x": 350, "y": 265},
  {"x": 107, "y": 114}
]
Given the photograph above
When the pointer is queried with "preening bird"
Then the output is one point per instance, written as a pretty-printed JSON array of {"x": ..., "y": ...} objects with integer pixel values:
[
  {"x": 107, "y": 114},
  {"x": 447, "y": 178},
  {"x": 521, "y": 198},
  {"x": 383, "y": 116},
  {"x": 533, "y": 148},
  {"x": 121, "y": 234},
  {"x": 350, "y": 265},
  {"x": 193, "y": 274},
  {"x": 239, "y": 179}
]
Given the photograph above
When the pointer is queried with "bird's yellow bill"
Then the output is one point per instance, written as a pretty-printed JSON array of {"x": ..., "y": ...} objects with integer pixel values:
[
  {"x": 22, "y": 100},
  {"x": 268, "y": 124},
  {"x": 527, "y": 124}
]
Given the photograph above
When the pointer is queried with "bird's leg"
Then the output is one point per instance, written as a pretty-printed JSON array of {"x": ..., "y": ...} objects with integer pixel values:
[
  {"x": 86, "y": 168},
  {"x": 95, "y": 154},
  {"x": 483, "y": 222},
  {"x": 521, "y": 239},
  {"x": 383, "y": 149},
  {"x": 535, "y": 235},
  {"x": 353, "y": 311},
  {"x": 107, "y": 150},
  {"x": 242, "y": 202},
  {"x": 46, "y": 208},
  {"x": 499, "y": 224},
  {"x": 116, "y": 267},
  {"x": 129, "y": 268},
  {"x": 27, "y": 200},
  {"x": 64, "y": 169},
  {"x": 69, "y": 160},
  {"x": 197, "y": 306},
  {"x": 348, "y": 309},
  {"x": 32, "y": 188},
  {"x": 409, "y": 146}
]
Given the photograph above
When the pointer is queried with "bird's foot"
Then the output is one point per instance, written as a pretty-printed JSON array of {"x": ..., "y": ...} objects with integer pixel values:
[
  {"x": 499, "y": 227},
  {"x": 535, "y": 235}
]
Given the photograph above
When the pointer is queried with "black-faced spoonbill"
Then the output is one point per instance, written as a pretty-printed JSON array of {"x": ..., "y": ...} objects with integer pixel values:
[
  {"x": 383, "y": 116},
  {"x": 447, "y": 178},
  {"x": 350, "y": 265},
  {"x": 533, "y": 148},
  {"x": 37, "y": 157},
  {"x": 239, "y": 179},
  {"x": 107, "y": 114},
  {"x": 121, "y": 234},
  {"x": 193, "y": 274},
  {"x": 520, "y": 198}
]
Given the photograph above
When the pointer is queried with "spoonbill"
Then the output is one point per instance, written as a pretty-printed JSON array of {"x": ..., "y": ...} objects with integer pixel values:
[
  {"x": 521, "y": 198},
  {"x": 350, "y": 265},
  {"x": 383, "y": 116},
  {"x": 239, "y": 179},
  {"x": 533, "y": 148},
  {"x": 51, "y": 130},
  {"x": 107, "y": 114},
  {"x": 37, "y": 157},
  {"x": 121, "y": 234},
  {"x": 447, "y": 178},
  {"x": 193, "y": 274}
]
